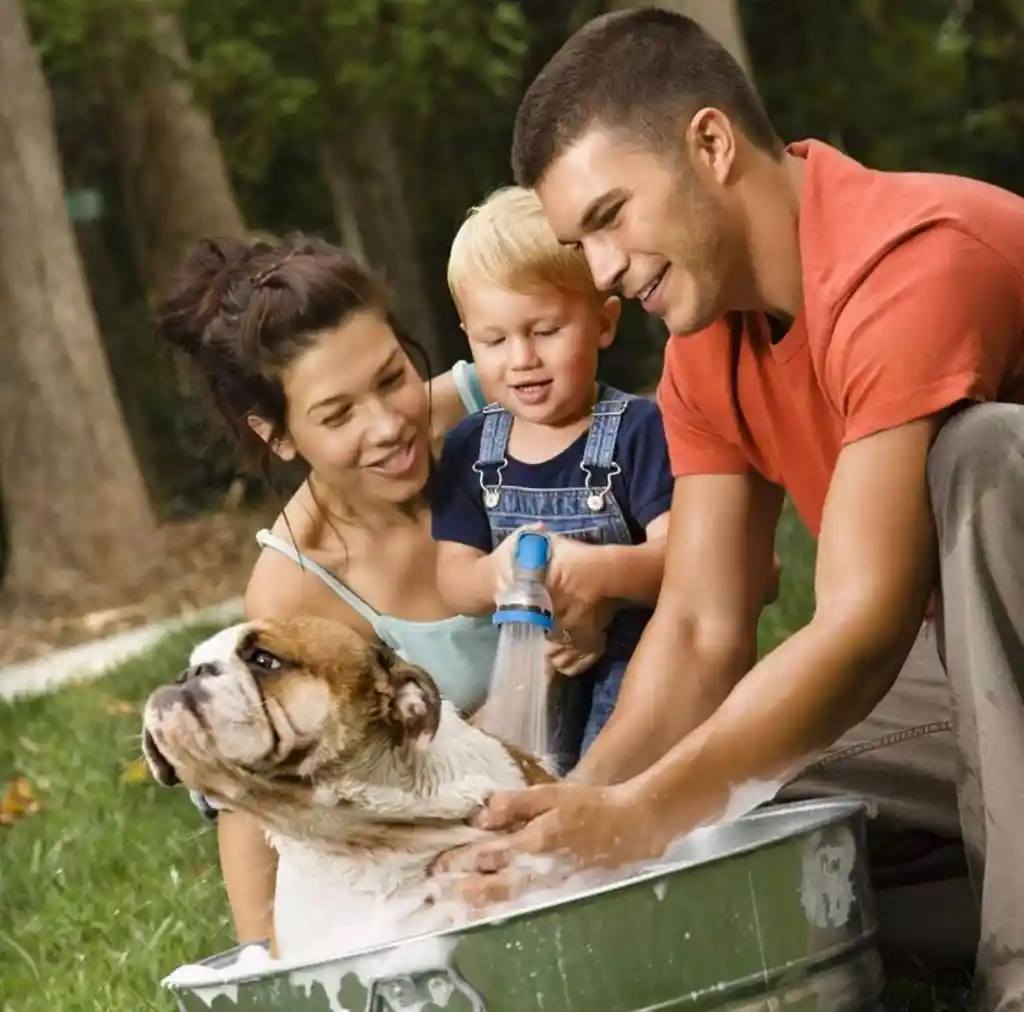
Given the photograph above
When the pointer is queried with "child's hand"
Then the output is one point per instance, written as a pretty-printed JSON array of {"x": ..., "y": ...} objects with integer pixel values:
[
  {"x": 500, "y": 560},
  {"x": 573, "y": 653},
  {"x": 575, "y": 584}
]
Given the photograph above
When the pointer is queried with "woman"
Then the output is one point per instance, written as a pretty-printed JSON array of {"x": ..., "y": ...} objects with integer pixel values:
[{"x": 297, "y": 347}]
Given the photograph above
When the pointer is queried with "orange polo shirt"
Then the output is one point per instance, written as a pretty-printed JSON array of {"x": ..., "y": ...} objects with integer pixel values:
[{"x": 913, "y": 300}]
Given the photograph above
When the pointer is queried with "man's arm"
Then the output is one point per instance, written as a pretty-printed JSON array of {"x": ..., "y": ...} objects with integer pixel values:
[
  {"x": 702, "y": 637},
  {"x": 875, "y": 570}
]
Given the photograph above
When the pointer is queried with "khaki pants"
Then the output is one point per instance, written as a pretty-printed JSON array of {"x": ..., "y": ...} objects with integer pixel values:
[{"x": 944, "y": 750}]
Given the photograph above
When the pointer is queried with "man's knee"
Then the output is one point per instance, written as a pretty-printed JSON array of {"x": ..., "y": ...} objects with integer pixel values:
[{"x": 978, "y": 452}]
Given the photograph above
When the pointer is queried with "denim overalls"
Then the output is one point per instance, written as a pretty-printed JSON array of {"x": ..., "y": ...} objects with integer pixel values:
[{"x": 587, "y": 512}]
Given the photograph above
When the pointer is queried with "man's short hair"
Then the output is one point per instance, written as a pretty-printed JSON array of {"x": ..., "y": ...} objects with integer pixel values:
[{"x": 643, "y": 71}]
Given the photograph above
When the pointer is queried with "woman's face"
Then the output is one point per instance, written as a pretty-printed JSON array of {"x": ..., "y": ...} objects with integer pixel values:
[{"x": 358, "y": 412}]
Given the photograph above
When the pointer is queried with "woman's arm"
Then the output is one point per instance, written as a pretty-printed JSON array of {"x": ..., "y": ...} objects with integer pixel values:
[{"x": 249, "y": 867}]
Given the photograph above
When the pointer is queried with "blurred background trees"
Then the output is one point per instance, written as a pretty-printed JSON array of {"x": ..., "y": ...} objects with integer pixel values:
[{"x": 130, "y": 128}]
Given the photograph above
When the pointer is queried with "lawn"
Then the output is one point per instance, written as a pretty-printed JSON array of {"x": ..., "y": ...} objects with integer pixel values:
[{"x": 113, "y": 882}]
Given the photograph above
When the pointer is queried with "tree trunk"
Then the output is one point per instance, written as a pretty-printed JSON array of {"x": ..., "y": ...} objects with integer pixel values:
[
  {"x": 720, "y": 18},
  {"x": 75, "y": 505},
  {"x": 364, "y": 176},
  {"x": 176, "y": 184}
]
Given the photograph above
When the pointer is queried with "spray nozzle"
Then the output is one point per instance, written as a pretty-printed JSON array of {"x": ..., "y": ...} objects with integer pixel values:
[{"x": 527, "y": 600}]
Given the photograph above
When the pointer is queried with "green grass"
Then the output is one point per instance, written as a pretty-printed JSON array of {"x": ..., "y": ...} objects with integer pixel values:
[{"x": 111, "y": 885}]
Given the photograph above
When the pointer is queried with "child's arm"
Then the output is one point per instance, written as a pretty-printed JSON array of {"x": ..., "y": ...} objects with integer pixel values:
[
  {"x": 584, "y": 576},
  {"x": 465, "y": 578},
  {"x": 627, "y": 573},
  {"x": 631, "y": 573}
]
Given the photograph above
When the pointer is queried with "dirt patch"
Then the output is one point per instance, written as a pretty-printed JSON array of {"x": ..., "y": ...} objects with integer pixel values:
[{"x": 208, "y": 560}]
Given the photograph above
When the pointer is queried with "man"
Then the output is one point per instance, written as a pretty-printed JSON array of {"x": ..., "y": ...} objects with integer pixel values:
[{"x": 855, "y": 338}]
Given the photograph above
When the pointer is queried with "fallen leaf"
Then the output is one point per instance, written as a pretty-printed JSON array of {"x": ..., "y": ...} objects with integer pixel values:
[
  {"x": 17, "y": 801},
  {"x": 97, "y": 621},
  {"x": 136, "y": 772},
  {"x": 120, "y": 708}
]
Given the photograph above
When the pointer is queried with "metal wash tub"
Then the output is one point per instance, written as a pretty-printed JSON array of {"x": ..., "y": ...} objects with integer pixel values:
[{"x": 772, "y": 913}]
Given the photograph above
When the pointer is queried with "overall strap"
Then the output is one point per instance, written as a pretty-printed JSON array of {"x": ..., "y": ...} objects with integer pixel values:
[
  {"x": 267, "y": 539},
  {"x": 493, "y": 446},
  {"x": 604, "y": 430},
  {"x": 494, "y": 435}
]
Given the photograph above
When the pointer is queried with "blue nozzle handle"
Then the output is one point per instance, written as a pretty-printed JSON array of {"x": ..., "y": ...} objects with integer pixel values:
[{"x": 533, "y": 551}]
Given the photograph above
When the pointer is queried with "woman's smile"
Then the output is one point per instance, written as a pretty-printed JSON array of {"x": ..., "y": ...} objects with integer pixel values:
[{"x": 398, "y": 462}]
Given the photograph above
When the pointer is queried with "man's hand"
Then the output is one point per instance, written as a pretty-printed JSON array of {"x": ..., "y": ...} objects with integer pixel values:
[{"x": 587, "y": 826}]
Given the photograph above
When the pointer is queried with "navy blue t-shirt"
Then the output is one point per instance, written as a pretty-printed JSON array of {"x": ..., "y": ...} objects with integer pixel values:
[{"x": 643, "y": 491}]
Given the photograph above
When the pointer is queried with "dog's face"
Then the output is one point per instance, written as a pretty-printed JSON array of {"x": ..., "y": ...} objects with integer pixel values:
[{"x": 268, "y": 710}]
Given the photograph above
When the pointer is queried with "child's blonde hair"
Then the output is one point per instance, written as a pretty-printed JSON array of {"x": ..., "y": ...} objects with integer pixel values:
[{"x": 506, "y": 241}]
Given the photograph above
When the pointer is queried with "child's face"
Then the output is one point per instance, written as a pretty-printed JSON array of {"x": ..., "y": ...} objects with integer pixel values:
[{"x": 536, "y": 353}]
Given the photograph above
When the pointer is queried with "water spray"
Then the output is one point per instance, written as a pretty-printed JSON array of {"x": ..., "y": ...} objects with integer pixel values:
[{"x": 517, "y": 704}]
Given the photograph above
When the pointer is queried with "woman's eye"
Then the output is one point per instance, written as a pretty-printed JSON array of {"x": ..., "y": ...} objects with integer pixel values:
[
  {"x": 265, "y": 660},
  {"x": 546, "y": 332},
  {"x": 392, "y": 380}
]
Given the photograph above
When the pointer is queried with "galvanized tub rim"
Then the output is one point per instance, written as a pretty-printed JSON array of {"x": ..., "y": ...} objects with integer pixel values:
[{"x": 827, "y": 812}]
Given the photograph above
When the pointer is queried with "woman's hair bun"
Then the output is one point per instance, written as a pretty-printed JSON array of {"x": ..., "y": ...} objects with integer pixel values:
[{"x": 197, "y": 290}]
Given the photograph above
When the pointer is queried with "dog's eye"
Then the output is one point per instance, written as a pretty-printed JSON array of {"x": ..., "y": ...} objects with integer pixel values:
[{"x": 265, "y": 660}]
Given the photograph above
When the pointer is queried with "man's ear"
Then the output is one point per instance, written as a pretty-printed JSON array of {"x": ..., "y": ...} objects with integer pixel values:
[
  {"x": 610, "y": 313},
  {"x": 711, "y": 144},
  {"x": 283, "y": 447}
]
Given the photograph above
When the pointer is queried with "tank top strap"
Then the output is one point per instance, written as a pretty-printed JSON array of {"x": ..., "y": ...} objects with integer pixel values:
[
  {"x": 467, "y": 382},
  {"x": 267, "y": 539}
]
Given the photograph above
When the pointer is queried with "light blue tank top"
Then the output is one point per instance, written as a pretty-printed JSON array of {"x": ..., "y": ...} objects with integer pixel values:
[{"x": 458, "y": 652}]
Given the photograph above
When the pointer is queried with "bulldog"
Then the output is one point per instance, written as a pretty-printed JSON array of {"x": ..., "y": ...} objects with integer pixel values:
[{"x": 359, "y": 772}]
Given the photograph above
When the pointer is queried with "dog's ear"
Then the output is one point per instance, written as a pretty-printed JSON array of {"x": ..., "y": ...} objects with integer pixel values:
[{"x": 408, "y": 702}]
